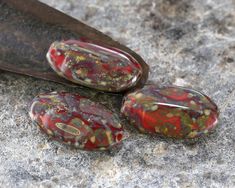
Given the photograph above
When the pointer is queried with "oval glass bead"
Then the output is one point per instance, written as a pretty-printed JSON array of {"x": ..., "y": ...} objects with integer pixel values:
[
  {"x": 76, "y": 120},
  {"x": 94, "y": 66},
  {"x": 170, "y": 111}
]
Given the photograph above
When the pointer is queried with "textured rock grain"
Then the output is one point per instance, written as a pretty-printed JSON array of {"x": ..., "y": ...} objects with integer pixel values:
[{"x": 185, "y": 42}]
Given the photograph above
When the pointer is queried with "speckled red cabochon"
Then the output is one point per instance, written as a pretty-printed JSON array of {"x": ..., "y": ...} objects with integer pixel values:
[
  {"x": 171, "y": 111},
  {"x": 76, "y": 120}
]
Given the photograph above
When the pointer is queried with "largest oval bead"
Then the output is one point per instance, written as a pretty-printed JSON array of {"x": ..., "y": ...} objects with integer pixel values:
[
  {"x": 76, "y": 120},
  {"x": 95, "y": 66},
  {"x": 171, "y": 111}
]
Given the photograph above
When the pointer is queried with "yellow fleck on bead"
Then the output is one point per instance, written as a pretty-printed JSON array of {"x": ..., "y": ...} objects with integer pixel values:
[
  {"x": 157, "y": 129},
  {"x": 142, "y": 129},
  {"x": 165, "y": 130},
  {"x": 169, "y": 115},
  {"x": 76, "y": 144},
  {"x": 102, "y": 148},
  {"x": 79, "y": 71},
  {"x": 118, "y": 125},
  {"x": 80, "y": 58},
  {"x": 92, "y": 139},
  {"x": 133, "y": 121},
  {"x": 192, "y": 134},
  {"x": 154, "y": 108},
  {"x": 190, "y": 95},
  {"x": 129, "y": 76},
  {"x": 109, "y": 136},
  {"x": 207, "y": 112},
  {"x": 193, "y": 103},
  {"x": 82, "y": 72},
  {"x": 139, "y": 95},
  {"x": 104, "y": 121},
  {"x": 60, "y": 74},
  {"x": 103, "y": 83},
  {"x": 87, "y": 80}
]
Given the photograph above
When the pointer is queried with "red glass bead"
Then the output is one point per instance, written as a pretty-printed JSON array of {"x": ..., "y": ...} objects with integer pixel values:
[
  {"x": 91, "y": 65},
  {"x": 76, "y": 120},
  {"x": 171, "y": 111}
]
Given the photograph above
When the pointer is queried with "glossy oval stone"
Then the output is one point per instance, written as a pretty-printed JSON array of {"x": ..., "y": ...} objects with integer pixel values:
[
  {"x": 170, "y": 111},
  {"x": 91, "y": 65},
  {"x": 76, "y": 120}
]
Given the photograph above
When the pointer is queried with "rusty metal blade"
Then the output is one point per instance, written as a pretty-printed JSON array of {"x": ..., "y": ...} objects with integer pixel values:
[{"x": 28, "y": 27}]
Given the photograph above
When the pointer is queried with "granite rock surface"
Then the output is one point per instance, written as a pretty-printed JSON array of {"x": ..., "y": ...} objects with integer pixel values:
[{"x": 185, "y": 42}]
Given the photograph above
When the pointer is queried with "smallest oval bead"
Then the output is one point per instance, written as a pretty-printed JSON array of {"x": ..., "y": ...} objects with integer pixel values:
[
  {"x": 170, "y": 111},
  {"x": 76, "y": 120}
]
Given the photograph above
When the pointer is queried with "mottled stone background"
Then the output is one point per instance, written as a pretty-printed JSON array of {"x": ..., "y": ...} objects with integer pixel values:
[{"x": 185, "y": 42}]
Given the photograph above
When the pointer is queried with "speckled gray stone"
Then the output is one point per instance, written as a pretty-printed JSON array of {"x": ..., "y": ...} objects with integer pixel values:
[{"x": 185, "y": 42}]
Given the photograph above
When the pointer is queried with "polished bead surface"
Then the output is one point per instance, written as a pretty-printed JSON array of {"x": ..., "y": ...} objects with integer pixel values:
[
  {"x": 170, "y": 111},
  {"x": 76, "y": 120},
  {"x": 91, "y": 65}
]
